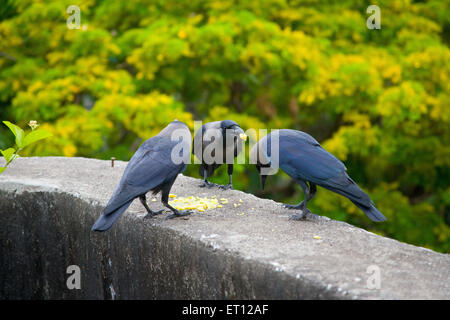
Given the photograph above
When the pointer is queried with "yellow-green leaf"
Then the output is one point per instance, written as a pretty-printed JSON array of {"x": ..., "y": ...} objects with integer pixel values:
[
  {"x": 8, "y": 154},
  {"x": 18, "y": 133},
  {"x": 34, "y": 136}
]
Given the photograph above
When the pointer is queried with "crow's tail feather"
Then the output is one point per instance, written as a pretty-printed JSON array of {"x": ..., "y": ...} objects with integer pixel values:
[
  {"x": 356, "y": 195},
  {"x": 105, "y": 221},
  {"x": 373, "y": 213}
]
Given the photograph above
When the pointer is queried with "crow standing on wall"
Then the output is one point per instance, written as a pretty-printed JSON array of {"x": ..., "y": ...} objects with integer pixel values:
[
  {"x": 152, "y": 168},
  {"x": 221, "y": 136},
  {"x": 304, "y": 160}
]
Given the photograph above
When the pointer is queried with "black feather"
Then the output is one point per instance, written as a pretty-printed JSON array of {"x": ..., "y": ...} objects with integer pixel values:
[
  {"x": 150, "y": 169},
  {"x": 302, "y": 158}
]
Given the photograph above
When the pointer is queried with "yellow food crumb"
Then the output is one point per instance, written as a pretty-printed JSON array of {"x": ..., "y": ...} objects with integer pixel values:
[
  {"x": 153, "y": 200},
  {"x": 317, "y": 237},
  {"x": 240, "y": 200},
  {"x": 172, "y": 196},
  {"x": 194, "y": 203}
]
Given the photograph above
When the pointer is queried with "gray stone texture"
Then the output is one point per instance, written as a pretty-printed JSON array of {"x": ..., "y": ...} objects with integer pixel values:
[{"x": 48, "y": 206}]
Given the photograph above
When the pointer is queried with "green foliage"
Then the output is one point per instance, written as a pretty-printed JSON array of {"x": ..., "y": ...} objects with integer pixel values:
[
  {"x": 22, "y": 140},
  {"x": 377, "y": 99},
  {"x": 18, "y": 133}
]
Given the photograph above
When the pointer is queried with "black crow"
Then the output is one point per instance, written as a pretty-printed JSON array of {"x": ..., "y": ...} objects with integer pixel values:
[
  {"x": 154, "y": 167},
  {"x": 304, "y": 160},
  {"x": 212, "y": 143}
]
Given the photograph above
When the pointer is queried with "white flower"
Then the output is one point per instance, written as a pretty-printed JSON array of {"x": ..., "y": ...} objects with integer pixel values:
[{"x": 33, "y": 124}]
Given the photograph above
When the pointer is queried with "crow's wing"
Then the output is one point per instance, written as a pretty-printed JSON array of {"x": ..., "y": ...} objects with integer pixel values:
[
  {"x": 209, "y": 136},
  {"x": 149, "y": 167},
  {"x": 212, "y": 134},
  {"x": 303, "y": 158}
]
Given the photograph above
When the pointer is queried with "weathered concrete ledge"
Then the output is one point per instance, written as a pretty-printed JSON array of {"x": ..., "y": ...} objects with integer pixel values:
[{"x": 48, "y": 205}]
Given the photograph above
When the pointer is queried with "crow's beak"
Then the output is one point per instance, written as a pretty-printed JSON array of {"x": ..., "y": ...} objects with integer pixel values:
[
  {"x": 238, "y": 132},
  {"x": 263, "y": 181}
]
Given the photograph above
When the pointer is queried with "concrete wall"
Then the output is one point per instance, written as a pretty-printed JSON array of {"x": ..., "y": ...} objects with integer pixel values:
[{"x": 48, "y": 205}]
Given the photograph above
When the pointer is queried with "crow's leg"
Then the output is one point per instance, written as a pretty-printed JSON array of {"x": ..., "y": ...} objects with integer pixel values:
[
  {"x": 150, "y": 213},
  {"x": 230, "y": 175},
  {"x": 176, "y": 213},
  {"x": 302, "y": 204},
  {"x": 205, "y": 182},
  {"x": 312, "y": 193},
  {"x": 309, "y": 194},
  {"x": 312, "y": 190}
]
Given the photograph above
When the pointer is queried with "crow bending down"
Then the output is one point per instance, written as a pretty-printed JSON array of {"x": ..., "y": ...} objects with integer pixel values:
[
  {"x": 152, "y": 168},
  {"x": 304, "y": 160}
]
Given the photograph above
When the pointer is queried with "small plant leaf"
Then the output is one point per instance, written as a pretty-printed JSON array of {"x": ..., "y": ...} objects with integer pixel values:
[
  {"x": 8, "y": 154},
  {"x": 18, "y": 133},
  {"x": 34, "y": 136},
  {"x": 2, "y": 169}
]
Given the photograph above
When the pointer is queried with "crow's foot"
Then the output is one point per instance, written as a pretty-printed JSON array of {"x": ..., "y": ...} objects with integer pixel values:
[
  {"x": 305, "y": 214},
  {"x": 178, "y": 214},
  {"x": 206, "y": 184},
  {"x": 226, "y": 187},
  {"x": 151, "y": 214},
  {"x": 297, "y": 217}
]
